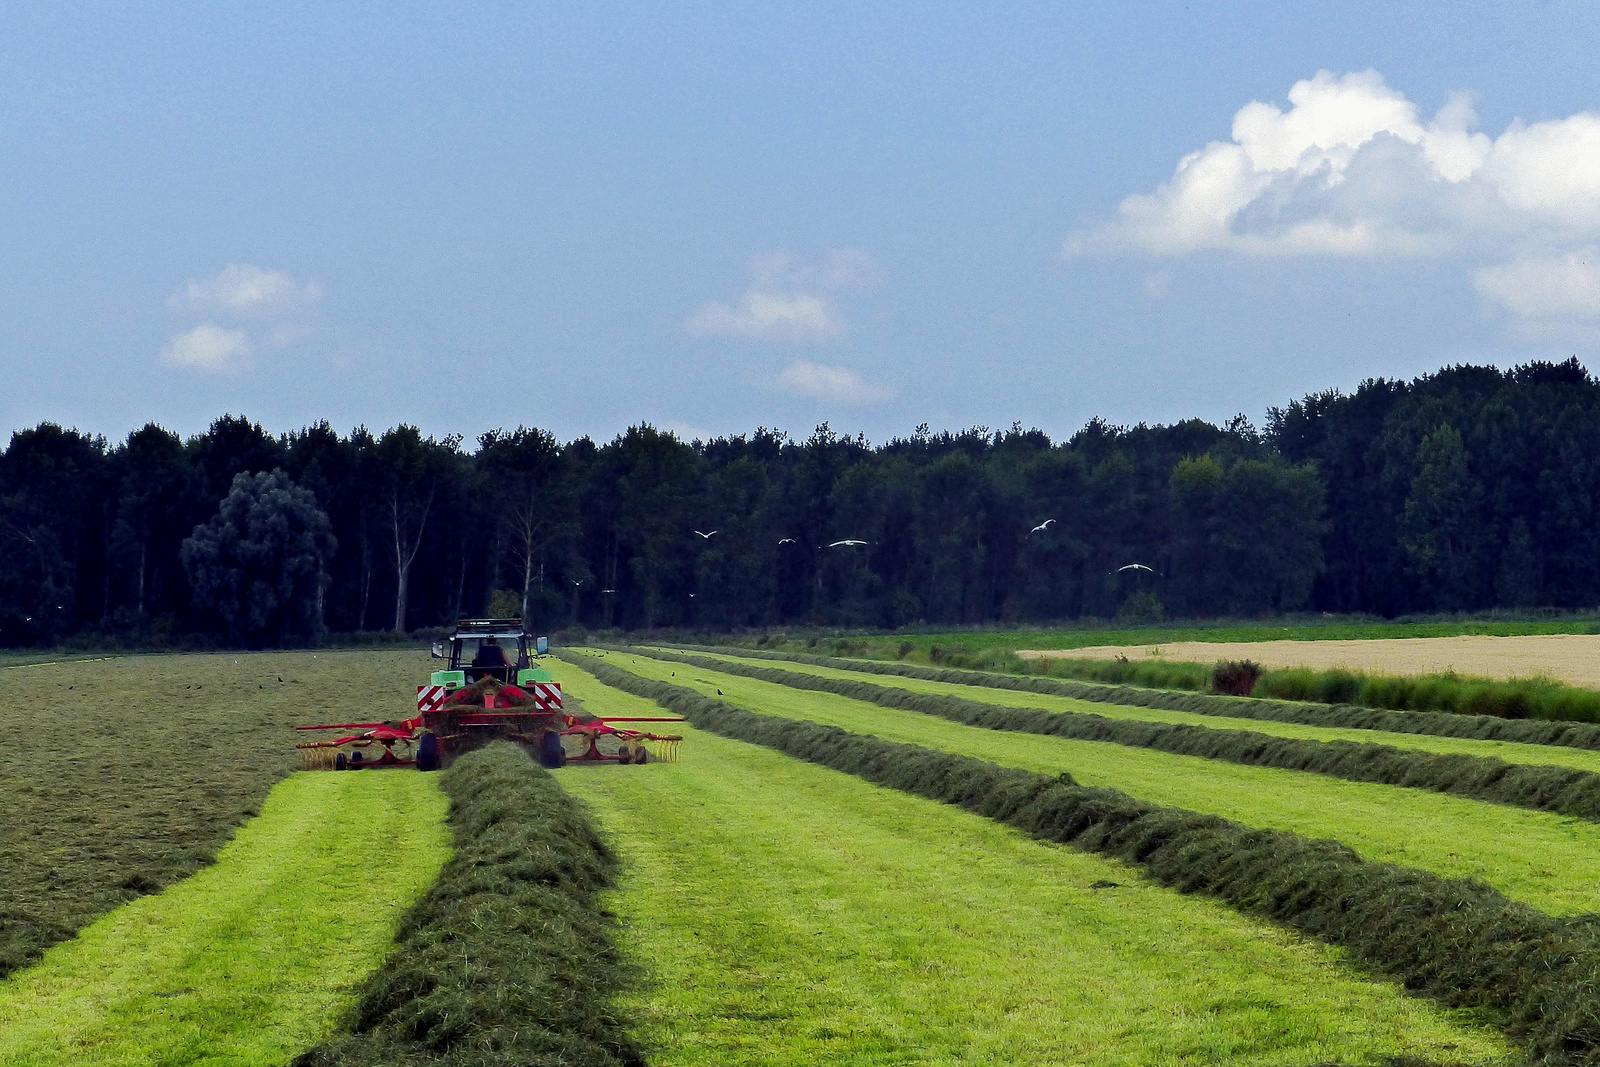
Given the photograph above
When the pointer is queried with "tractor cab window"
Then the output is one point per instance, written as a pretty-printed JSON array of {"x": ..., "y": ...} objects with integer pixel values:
[{"x": 490, "y": 653}]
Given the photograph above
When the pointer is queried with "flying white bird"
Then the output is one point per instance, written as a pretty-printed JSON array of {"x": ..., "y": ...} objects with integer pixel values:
[
  {"x": 707, "y": 536},
  {"x": 1045, "y": 525},
  {"x": 785, "y": 540},
  {"x": 1137, "y": 567},
  {"x": 849, "y": 541},
  {"x": 577, "y": 581}
]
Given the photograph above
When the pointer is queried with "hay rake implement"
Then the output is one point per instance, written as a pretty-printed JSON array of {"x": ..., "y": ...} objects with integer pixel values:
[{"x": 466, "y": 706}]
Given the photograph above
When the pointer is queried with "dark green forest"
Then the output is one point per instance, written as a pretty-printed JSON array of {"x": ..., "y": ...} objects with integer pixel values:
[{"x": 1469, "y": 489}]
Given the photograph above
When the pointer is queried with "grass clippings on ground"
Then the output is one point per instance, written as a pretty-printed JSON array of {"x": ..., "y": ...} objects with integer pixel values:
[
  {"x": 793, "y": 915},
  {"x": 508, "y": 960},
  {"x": 1547, "y": 861},
  {"x": 253, "y": 958},
  {"x": 121, "y": 776}
]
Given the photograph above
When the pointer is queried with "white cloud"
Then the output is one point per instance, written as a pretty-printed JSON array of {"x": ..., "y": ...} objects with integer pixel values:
[
  {"x": 208, "y": 347},
  {"x": 804, "y": 378},
  {"x": 1563, "y": 287},
  {"x": 244, "y": 291},
  {"x": 788, "y": 300},
  {"x": 278, "y": 308},
  {"x": 1352, "y": 170},
  {"x": 766, "y": 317}
]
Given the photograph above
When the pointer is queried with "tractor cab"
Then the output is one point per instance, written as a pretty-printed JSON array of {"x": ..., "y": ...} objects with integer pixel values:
[{"x": 484, "y": 648}]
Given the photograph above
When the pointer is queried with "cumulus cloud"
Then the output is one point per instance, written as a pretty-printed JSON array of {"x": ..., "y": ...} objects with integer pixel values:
[
  {"x": 245, "y": 291},
  {"x": 787, "y": 299},
  {"x": 208, "y": 347},
  {"x": 1353, "y": 169},
  {"x": 804, "y": 378}
]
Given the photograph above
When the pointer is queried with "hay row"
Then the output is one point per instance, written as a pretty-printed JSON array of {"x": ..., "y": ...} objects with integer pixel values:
[
  {"x": 1563, "y": 790},
  {"x": 1457, "y": 941},
  {"x": 1350, "y": 716},
  {"x": 509, "y": 958}
]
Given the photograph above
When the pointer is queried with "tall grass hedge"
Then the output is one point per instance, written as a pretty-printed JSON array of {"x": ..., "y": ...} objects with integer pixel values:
[
  {"x": 1564, "y": 790},
  {"x": 1457, "y": 941},
  {"x": 508, "y": 960},
  {"x": 1568, "y": 734}
]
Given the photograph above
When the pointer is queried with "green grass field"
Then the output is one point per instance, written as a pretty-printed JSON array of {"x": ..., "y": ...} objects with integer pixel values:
[
  {"x": 791, "y": 915},
  {"x": 1548, "y": 861},
  {"x": 1511, "y": 752},
  {"x": 121, "y": 776},
  {"x": 1068, "y": 638},
  {"x": 252, "y": 959}
]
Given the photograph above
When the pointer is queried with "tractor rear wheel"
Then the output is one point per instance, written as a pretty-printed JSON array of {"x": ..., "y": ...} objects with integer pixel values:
[
  {"x": 551, "y": 754},
  {"x": 428, "y": 753}
]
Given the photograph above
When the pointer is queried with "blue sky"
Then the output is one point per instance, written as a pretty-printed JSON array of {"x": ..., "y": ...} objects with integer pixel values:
[{"x": 718, "y": 216}]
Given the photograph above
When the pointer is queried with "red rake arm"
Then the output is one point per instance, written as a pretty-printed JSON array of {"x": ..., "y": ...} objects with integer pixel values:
[
  {"x": 347, "y": 726},
  {"x": 404, "y": 724}
]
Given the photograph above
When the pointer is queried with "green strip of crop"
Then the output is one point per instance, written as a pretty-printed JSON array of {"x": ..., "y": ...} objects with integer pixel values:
[
  {"x": 1459, "y": 942},
  {"x": 251, "y": 959},
  {"x": 1509, "y": 751},
  {"x": 792, "y": 915},
  {"x": 1563, "y": 790},
  {"x": 120, "y": 778},
  {"x": 1581, "y": 735},
  {"x": 508, "y": 960},
  {"x": 1547, "y": 861}
]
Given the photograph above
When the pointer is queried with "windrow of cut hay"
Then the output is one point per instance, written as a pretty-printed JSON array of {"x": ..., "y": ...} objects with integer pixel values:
[
  {"x": 509, "y": 958},
  {"x": 1457, "y": 941},
  {"x": 1527, "y": 698},
  {"x": 1564, "y": 790},
  {"x": 1566, "y": 734}
]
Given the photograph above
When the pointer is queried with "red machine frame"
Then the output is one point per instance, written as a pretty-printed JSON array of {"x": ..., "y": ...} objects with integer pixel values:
[{"x": 453, "y": 725}]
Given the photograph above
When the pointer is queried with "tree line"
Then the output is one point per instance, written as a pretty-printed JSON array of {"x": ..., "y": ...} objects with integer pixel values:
[{"x": 1468, "y": 489}]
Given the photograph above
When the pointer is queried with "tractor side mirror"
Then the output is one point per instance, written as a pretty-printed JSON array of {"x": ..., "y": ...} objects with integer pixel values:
[{"x": 438, "y": 650}]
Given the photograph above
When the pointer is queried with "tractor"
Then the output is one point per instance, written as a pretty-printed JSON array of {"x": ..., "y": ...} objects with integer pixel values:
[{"x": 488, "y": 691}]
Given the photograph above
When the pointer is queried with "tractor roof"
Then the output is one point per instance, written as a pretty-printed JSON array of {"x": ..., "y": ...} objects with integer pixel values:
[{"x": 489, "y": 628}]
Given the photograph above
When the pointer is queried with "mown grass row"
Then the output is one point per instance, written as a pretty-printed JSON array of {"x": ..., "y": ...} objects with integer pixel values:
[
  {"x": 1457, "y": 941},
  {"x": 254, "y": 957},
  {"x": 1547, "y": 861},
  {"x": 1510, "y": 751},
  {"x": 1563, "y": 790},
  {"x": 509, "y": 958},
  {"x": 795, "y": 916},
  {"x": 1529, "y": 698},
  {"x": 1344, "y": 716},
  {"x": 120, "y": 777}
]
